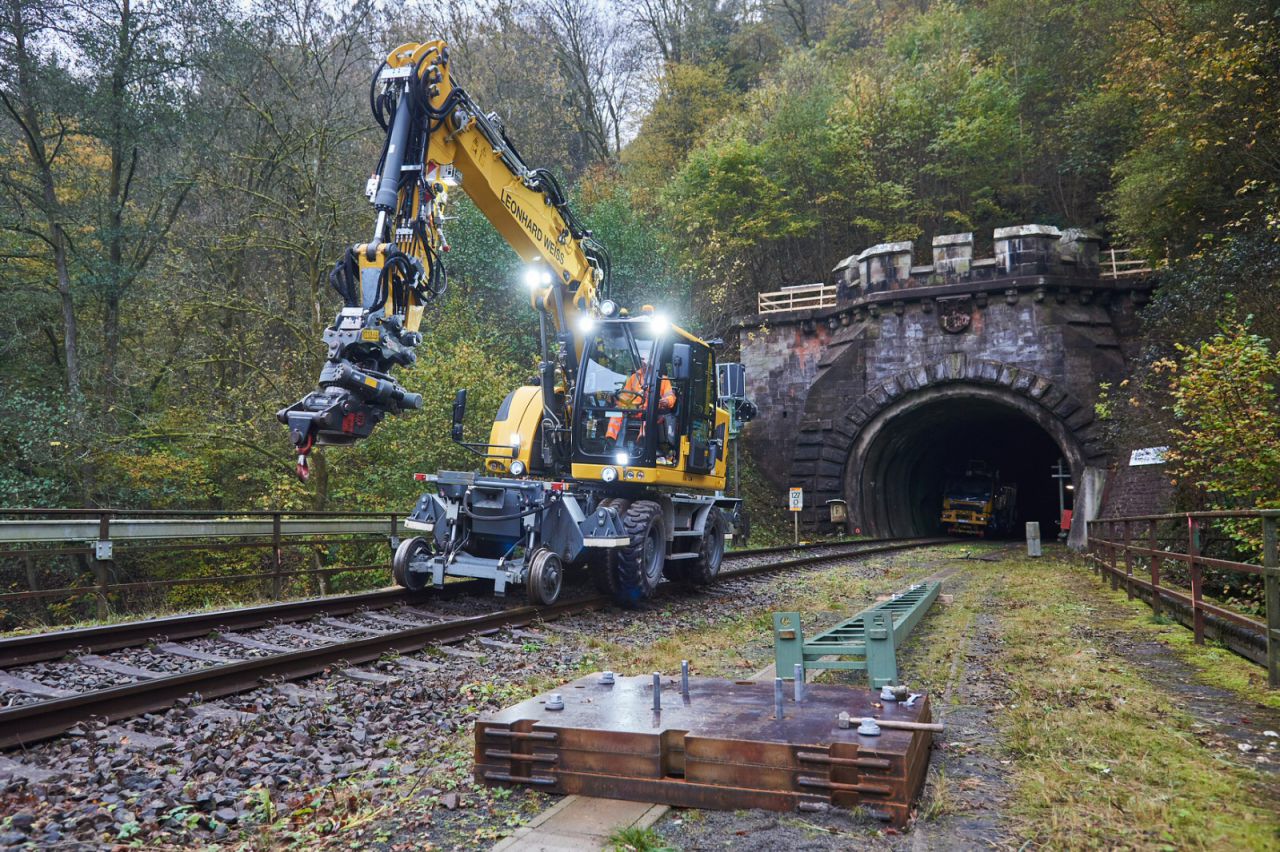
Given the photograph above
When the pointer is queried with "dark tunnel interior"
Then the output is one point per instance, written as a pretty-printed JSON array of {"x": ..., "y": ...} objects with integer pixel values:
[{"x": 918, "y": 451}]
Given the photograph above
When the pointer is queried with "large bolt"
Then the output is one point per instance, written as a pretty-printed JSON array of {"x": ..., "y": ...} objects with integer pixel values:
[
  {"x": 657, "y": 692},
  {"x": 777, "y": 698},
  {"x": 799, "y": 682},
  {"x": 684, "y": 678}
]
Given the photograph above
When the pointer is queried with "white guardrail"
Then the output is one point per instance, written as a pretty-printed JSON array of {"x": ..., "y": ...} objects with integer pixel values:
[
  {"x": 37, "y": 531},
  {"x": 798, "y": 298}
]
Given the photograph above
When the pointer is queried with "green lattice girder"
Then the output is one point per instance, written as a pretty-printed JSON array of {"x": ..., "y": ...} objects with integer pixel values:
[{"x": 868, "y": 640}]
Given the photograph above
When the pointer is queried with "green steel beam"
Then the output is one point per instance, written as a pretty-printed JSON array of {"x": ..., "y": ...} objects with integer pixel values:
[{"x": 871, "y": 637}]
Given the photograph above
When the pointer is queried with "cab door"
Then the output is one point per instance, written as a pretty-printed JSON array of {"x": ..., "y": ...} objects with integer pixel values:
[{"x": 701, "y": 409}]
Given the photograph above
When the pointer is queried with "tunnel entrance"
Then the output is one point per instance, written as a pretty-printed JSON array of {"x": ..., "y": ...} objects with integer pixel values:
[{"x": 906, "y": 464}]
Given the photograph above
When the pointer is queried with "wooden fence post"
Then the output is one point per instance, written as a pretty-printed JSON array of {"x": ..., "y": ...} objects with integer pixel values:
[
  {"x": 1153, "y": 544},
  {"x": 1271, "y": 578},
  {"x": 1128, "y": 560},
  {"x": 1193, "y": 552},
  {"x": 1111, "y": 556}
]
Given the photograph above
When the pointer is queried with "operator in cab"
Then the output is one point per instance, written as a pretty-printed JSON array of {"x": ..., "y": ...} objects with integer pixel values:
[{"x": 632, "y": 396}]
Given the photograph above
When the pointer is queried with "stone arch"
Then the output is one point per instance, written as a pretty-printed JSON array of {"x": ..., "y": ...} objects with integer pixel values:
[{"x": 832, "y": 456}]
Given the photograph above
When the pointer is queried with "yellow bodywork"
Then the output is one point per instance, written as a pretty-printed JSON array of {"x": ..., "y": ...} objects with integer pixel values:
[{"x": 521, "y": 419}]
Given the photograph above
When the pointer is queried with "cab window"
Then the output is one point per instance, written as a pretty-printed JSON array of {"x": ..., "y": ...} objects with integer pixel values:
[{"x": 615, "y": 396}]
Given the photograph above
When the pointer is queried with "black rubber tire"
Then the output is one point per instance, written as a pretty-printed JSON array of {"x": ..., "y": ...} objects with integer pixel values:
[
  {"x": 640, "y": 563},
  {"x": 603, "y": 563},
  {"x": 705, "y": 568},
  {"x": 405, "y": 553}
]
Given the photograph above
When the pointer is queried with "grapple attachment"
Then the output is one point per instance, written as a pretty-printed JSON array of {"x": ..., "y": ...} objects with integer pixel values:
[{"x": 356, "y": 391}]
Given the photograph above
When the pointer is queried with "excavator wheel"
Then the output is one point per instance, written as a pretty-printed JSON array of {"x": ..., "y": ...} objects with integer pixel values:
[
  {"x": 640, "y": 563},
  {"x": 408, "y": 550},
  {"x": 546, "y": 575},
  {"x": 706, "y": 567}
]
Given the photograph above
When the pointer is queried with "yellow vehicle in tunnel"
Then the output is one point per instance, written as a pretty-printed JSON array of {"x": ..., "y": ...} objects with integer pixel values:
[
  {"x": 613, "y": 456},
  {"x": 978, "y": 503}
]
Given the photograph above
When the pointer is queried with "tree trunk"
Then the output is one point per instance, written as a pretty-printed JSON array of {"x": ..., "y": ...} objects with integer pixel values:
[
  {"x": 33, "y": 132},
  {"x": 117, "y": 198}
]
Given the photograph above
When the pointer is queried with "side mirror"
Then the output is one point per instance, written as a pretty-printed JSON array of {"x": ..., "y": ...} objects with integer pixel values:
[
  {"x": 459, "y": 413},
  {"x": 681, "y": 359}
]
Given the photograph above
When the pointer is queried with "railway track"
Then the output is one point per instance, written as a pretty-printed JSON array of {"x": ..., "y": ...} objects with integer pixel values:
[{"x": 292, "y": 640}]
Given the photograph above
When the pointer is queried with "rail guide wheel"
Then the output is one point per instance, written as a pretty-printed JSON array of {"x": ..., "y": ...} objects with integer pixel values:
[
  {"x": 546, "y": 575},
  {"x": 409, "y": 550}
]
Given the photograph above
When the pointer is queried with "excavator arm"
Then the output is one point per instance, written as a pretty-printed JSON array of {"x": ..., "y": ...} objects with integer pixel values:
[{"x": 438, "y": 139}]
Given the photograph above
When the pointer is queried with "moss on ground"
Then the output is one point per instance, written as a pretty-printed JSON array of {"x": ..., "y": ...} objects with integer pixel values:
[
  {"x": 734, "y": 642},
  {"x": 1214, "y": 663}
]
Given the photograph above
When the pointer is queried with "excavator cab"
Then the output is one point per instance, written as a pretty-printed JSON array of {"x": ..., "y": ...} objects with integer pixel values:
[{"x": 645, "y": 400}]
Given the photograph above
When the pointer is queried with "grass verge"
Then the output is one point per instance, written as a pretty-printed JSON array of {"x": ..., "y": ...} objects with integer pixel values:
[{"x": 1101, "y": 757}]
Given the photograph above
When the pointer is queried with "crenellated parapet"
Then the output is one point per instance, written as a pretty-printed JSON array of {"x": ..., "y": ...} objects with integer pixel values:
[
  {"x": 1019, "y": 251},
  {"x": 1038, "y": 259}
]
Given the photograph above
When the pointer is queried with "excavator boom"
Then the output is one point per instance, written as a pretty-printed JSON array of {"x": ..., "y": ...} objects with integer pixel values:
[{"x": 437, "y": 139}]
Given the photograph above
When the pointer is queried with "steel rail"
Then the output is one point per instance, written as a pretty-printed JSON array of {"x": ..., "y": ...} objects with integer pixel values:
[{"x": 29, "y": 723}]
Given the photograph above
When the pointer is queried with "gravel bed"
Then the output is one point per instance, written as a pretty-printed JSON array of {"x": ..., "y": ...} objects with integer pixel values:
[
  {"x": 226, "y": 650},
  {"x": 200, "y": 786},
  {"x": 337, "y": 634},
  {"x": 276, "y": 636},
  {"x": 67, "y": 674},
  {"x": 155, "y": 660},
  {"x": 17, "y": 699}
]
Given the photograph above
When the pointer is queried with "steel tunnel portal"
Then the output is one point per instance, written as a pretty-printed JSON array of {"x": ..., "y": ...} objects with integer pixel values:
[{"x": 898, "y": 467}]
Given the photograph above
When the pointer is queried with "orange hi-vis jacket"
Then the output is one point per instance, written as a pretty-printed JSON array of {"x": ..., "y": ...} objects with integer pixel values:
[{"x": 633, "y": 396}]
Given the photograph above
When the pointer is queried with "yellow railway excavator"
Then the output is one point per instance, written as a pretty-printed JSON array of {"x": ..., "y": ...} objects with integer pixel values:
[{"x": 613, "y": 458}]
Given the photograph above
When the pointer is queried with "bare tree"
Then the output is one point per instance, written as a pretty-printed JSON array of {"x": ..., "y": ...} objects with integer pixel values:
[
  {"x": 601, "y": 64},
  {"x": 28, "y": 79},
  {"x": 666, "y": 22},
  {"x": 134, "y": 110}
]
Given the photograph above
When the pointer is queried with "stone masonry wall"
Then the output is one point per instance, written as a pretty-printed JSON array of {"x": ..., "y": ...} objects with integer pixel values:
[{"x": 1039, "y": 306}]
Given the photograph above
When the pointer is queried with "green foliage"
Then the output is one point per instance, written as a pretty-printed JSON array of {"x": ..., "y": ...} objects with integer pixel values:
[
  {"x": 37, "y": 448},
  {"x": 633, "y": 839},
  {"x": 691, "y": 99},
  {"x": 1227, "y": 437},
  {"x": 461, "y": 350},
  {"x": 1203, "y": 76}
]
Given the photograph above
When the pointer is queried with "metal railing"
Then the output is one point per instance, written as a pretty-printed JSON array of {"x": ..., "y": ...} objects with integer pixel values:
[
  {"x": 1124, "y": 263},
  {"x": 116, "y": 548},
  {"x": 798, "y": 298},
  {"x": 1176, "y": 550}
]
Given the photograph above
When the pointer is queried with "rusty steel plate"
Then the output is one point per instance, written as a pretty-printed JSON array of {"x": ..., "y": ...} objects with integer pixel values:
[{"x": 718, "y": 747}]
